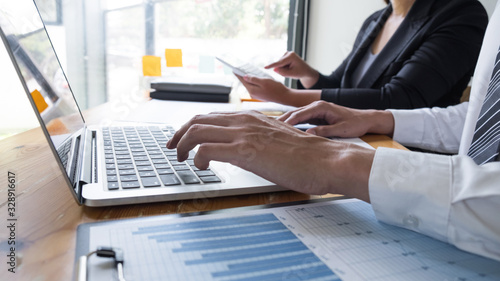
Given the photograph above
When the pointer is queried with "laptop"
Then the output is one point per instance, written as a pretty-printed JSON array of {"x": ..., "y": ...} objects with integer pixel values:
[{"x": 113, "y": 165}]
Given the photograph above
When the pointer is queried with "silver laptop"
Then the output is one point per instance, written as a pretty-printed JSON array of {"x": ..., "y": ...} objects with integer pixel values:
[{"x": 112, "y": 165}]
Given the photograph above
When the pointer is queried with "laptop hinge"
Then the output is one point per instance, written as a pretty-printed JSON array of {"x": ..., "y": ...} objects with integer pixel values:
[{"x": 86, "y": 163}]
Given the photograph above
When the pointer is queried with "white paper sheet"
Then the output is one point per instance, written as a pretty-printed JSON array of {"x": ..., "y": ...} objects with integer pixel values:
[{"x": 320, "y": 241}]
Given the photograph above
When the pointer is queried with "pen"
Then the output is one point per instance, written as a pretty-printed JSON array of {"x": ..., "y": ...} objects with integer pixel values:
[{"x": 252, "y": 100}]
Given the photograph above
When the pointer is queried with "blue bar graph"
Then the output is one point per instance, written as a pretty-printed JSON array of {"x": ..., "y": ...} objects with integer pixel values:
[
  {"x": 267, "y": 264},
  {"x": 256, "y": 247},
  {"x": 212, "y": 223},
  {"x": 196, "y": 234},
  {"x": 236, "y": 242},
  {"x": 275, "y": 245},
  {"x": 249, "y": 253}
]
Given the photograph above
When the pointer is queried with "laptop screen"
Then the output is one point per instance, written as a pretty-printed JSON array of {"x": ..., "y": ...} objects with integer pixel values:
[{"x": 44, "y": 80}]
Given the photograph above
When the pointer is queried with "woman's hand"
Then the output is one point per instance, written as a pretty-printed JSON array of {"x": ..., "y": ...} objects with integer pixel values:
[
  {"x": 293, "y": 66},
  {"x": 270, "y": 90},
  {"x": 266, "y": 89}
]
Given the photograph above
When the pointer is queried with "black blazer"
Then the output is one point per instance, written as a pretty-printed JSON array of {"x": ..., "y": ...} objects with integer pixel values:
[{"x": 428, "y": 61}]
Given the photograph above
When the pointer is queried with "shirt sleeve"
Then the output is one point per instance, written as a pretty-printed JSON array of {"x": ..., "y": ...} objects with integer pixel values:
[
  {"x": 436, "y": 129},
  {"x": 449, "y": 198}
]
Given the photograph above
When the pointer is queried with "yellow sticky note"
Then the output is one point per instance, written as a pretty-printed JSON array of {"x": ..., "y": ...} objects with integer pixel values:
[
  {"x": 174, "y": 57},
  {"x": 151, "y": 66},
  {"x": 40, "y": 102}
]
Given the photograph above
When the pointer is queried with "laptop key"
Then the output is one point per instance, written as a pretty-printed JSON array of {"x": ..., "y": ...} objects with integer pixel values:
[
  {"x": 188, "y": 177},
  {"x": 181, "y": 168},
  {"x": 210, "y": 179},
  {"x": 121, "y": 147},
  {"x": 162, "y": 166},
  {"x": 157, "y": 156},
  {"x": 131, "y": 184},
  {"x": 164, "y": 171},
  {"x": 113, "y": 185},
  {"x": 141, "y": 158},
  {"x": 160, "y": 161},
  {"x": 126, "y": 172},
  {"x": 125, "y": 167},
  {"x": 128, "y": 178},
  {"x": 147, "y": 174},
  {"x": 122, "y": 157},
  {"x": 204, "y": 173},
  {"x": 112, "y": 178},
  {"x": 150, "y": 182},
  {"x": 144, "y": 168},
  {"x": 170, "y": 179}
]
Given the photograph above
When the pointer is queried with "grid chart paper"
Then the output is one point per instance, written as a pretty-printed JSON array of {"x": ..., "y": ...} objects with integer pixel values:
[{"x": 321, "y": 241}]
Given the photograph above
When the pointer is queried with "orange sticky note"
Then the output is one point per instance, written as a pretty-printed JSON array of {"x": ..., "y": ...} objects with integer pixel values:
[
  {"x": 151, "y": 66},
  {"x": 40, "y": 102},
  {"x": 174, "y": 57}
]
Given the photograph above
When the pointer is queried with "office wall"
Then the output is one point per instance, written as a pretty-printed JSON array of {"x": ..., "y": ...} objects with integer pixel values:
[{"x": 333, "y": 25}]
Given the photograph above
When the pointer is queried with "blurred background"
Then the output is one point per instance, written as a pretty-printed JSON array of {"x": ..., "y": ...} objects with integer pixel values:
[{"x": 100, "y": 43}]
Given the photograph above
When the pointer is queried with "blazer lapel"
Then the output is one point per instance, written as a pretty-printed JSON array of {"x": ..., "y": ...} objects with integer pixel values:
[
  {"x": 417, "y": 16},
  {"x": 360, "y": 50}
]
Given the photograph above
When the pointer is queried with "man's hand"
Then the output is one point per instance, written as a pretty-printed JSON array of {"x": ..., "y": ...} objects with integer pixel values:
[
  {"x": 339, "y": 121},
  {"x": 277, "y": 152}
]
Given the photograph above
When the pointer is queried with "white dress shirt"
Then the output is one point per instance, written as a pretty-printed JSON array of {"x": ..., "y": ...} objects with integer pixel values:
[{"x": 450, "y": 198}]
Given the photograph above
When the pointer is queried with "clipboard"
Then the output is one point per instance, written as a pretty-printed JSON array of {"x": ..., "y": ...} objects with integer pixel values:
[{"x": 329, "y": 238}]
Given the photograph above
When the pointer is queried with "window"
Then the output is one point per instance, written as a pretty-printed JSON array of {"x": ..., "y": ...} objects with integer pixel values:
[
  {"x": 252, "y": 30},
  {"x": 105, "y": 40},
  {"x": 100, "y": 43}
]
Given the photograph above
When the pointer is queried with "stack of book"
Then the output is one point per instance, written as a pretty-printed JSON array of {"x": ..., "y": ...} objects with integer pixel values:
[{"x": 191, "y": 89}]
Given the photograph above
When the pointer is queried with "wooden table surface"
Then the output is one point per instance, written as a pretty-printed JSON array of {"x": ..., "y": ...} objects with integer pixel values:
[{"x": 47, "y": 215}]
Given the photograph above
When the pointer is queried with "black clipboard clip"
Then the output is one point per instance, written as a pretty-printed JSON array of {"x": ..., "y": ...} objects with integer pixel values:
[{"x": 105, "y": 252}]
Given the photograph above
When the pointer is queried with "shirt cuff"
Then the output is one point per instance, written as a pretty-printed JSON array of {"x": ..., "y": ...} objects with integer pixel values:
[
  {"x": 408, "y": 126},
  {"x": 412, "y": 190}
]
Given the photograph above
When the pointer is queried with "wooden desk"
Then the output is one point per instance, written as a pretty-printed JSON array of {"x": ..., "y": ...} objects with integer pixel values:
[{"x": 47, "y": 215}]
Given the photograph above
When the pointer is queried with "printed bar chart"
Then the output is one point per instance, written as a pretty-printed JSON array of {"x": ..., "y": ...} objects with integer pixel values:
[
  {"x": 256, "y": 247},
  {"x": 322, "y": 241}
]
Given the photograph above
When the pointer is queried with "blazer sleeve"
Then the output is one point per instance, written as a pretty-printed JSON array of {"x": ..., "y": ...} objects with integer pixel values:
[{"x": 448, "y": 53}]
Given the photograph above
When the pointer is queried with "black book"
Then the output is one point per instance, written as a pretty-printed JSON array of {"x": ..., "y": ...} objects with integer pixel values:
[{"x": 189, "y": 96}]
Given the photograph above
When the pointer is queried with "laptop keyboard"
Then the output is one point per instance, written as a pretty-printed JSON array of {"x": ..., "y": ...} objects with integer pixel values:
[
  {"x": 137, "y": 157},
  {"x": 63, "y": 152}
]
